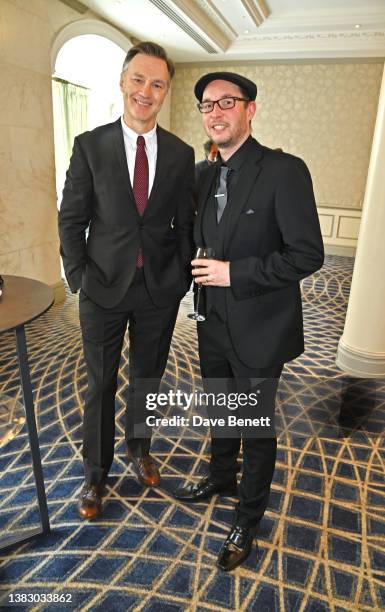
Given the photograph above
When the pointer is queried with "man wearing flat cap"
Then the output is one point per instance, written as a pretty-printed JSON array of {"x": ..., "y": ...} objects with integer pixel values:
[{"x": 257, "y": 211}]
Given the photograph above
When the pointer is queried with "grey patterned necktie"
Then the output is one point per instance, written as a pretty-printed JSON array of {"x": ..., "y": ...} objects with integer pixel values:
[{"x": 221, "y": 194}]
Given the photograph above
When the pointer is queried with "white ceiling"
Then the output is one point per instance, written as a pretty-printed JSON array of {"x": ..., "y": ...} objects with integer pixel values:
[{"x": 222, "y": 30}]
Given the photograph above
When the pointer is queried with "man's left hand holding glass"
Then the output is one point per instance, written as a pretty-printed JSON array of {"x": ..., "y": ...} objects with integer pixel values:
[{"x": 211, "y": 272}]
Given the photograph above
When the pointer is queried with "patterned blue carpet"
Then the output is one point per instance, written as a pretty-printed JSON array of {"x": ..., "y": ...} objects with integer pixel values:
[{"x": 322, "y": 540}]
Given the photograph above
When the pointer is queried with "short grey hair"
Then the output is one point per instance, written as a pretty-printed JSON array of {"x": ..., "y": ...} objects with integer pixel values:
[{"x": 152, "y": 49}]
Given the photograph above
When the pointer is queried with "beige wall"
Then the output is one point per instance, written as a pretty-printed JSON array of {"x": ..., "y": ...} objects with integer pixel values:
[
  {"x": 322, "y": 112},
  {"x": 28, "y": 213}
]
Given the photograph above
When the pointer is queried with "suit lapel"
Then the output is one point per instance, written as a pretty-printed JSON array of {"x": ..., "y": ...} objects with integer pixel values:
[
  {"x": 121, "y": 154},
  {"x": 240, "y": 193}
]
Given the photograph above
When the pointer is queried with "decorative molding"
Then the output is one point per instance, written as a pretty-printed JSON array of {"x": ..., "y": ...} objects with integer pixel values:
[
  {"x": 327, "y": 223},
  {"x": 287, "y": 60},
  {"x": 257, "y": 10},
  {"x": 209, "y": 7},
  {"x": 360, "y": 364},
  {"x": 199, "y": 20},
  {"x": 316, "y": 35},
  {"x": 353, "y": 206},
  {"x": 343, "y": 251},
  {"x": 326, "y": 20},
  {"x": 346, "y": 223},
  {"x": 263, "y": 8},
  {"x": 310, "y": 44},
  {"x": 331, "y": 221},
  {"x": 87, "y": 26},
  {"x": 75, "y": 5}
]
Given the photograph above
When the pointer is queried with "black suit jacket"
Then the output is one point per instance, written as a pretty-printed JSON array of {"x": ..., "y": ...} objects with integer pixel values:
[
  {"x": 200, "y": 167},
  {"x": 98, "y": 196},
  {"x": 273, "y": 240}
]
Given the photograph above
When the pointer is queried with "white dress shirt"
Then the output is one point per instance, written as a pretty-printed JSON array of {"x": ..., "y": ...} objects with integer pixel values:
[{"x": 151, "y": 146}]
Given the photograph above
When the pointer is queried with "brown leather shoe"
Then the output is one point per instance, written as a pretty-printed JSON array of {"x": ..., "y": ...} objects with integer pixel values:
[
  {"x": 145, "y": 470},
  {"x": 90, "y": 501}
]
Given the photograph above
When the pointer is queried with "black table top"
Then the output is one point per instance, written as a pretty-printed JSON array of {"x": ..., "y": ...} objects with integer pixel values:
[{"x": 23, "y": 300}]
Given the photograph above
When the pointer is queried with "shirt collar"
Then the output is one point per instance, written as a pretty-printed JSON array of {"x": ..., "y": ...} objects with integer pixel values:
[
  {"x": 236, "y": 161},
  {"x": 149, "y": 137}
]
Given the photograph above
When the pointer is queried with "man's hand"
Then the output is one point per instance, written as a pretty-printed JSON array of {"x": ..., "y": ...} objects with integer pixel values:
[{"x": 211, "y": 272}]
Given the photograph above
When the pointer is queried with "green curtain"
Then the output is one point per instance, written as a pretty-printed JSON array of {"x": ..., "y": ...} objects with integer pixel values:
[{"x": 70, "y": 110}]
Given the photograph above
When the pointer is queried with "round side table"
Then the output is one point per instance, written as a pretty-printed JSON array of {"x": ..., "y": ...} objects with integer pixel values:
[{"x": 22, "y": 301}]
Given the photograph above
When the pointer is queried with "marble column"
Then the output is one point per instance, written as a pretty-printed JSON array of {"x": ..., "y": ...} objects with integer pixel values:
[{"x": 361, "y": 349}]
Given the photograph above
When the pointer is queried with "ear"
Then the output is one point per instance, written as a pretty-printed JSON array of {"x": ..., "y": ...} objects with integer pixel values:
[
  {"x": 121, "y": 82},
  {"x": 251, "y": 109}
]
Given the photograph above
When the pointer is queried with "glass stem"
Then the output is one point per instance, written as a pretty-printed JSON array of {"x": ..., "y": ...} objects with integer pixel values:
[{"x": 198, "y": 296}]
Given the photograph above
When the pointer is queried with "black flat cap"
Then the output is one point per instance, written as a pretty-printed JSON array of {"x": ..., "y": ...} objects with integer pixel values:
[{"x": 248, "y": 86}]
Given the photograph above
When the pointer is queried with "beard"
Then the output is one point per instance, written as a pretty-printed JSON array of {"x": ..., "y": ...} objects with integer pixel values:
[{"x": 221, "y": 141}]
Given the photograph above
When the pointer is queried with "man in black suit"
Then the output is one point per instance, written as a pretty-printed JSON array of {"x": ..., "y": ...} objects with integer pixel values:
[
  {"x": 130, "y": 184},
  {"x": 257, "y": 211}
]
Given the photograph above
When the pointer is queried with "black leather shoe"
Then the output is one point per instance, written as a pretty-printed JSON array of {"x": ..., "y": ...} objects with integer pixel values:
[
  {"x": 236, "y": 548},
  {"x": 204, "y": 489}
]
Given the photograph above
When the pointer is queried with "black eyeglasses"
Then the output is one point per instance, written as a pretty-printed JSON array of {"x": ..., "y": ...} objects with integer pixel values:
[{"x": 223, "y": 103}]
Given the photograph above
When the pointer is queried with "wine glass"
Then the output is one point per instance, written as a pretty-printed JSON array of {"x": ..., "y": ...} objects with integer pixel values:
[{"x": 200, "y": 253}]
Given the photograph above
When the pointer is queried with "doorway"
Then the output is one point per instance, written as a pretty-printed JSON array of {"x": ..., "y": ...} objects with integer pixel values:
[{"x": 85, "y": 93}]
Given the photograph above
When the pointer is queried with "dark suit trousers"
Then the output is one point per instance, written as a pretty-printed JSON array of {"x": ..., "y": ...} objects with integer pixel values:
[
  {"x": 150, "y": 331},
  {"x": 219, "y": 361}
]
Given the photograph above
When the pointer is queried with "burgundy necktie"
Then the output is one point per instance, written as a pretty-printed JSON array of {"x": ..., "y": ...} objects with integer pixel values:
[{"x": 140, "y": 186}]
